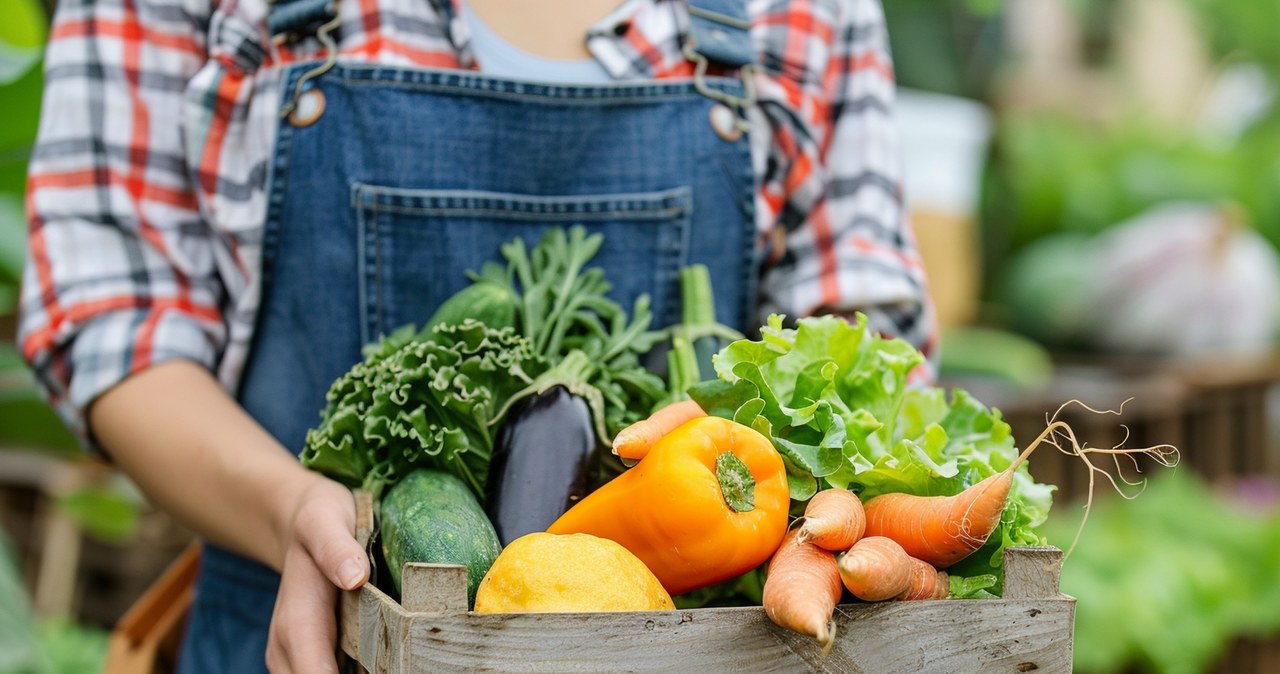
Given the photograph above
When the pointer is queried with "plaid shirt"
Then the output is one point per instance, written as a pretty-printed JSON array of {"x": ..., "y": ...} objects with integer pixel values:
[{"x": 147, "y": 188}]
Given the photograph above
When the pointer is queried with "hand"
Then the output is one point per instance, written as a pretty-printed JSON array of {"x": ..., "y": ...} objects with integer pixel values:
[{"x": 321, "y": 556}]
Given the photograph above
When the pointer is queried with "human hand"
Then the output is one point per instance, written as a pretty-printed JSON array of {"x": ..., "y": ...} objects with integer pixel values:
[{"x": 321, "y": 556}]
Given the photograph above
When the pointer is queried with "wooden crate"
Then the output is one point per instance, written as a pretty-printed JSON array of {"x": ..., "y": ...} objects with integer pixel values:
[{"x": 430, "y": 630}]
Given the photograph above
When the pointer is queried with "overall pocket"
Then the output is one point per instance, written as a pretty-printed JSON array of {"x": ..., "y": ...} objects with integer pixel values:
[{"x": 415, "y": 246}]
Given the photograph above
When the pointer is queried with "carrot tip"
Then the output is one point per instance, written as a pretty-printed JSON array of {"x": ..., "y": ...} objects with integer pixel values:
[{"x": 829, "y": 639}]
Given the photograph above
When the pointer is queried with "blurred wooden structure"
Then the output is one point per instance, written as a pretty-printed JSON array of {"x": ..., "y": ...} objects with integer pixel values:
[
  {"x": 147, "y": 638},
  {"x": 1221, "y": 412},
  {"x": 69, "y": 573},
  {"x": 1215, "y": 410}
]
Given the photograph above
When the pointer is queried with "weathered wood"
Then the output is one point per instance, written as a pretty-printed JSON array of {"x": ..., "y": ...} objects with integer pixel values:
[
  {"x": 924, "y": 636},
  {"x": 1029, "y": 630},
  {"x": 1032, "y": 573},
  {"x": 1010, "y": 635},
  {"x": 154, "y": 623},
  {"x": 434, "y": 588},
  {"x": 350, "y": 604}
]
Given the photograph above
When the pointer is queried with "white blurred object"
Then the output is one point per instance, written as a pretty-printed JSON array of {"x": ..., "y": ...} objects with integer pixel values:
[
  {"x": 945, "y": 141},
  {"x": 1240, "y": 96},
  {"x": 1185, "y": 278}
]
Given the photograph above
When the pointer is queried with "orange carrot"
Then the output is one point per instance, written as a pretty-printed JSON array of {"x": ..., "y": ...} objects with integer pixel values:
[
  {"x": 634, "y": 441},
  {"x": 943, "y": 530},
  {"x": 875, "y": 569},
  {"x": 833, "y": 520},
  {"x": 802, "y": 588},
  {"x": 926, "y": 582}
]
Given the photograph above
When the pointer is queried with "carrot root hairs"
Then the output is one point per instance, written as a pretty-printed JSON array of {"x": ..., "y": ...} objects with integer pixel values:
[{"x": 942, "y": 530}]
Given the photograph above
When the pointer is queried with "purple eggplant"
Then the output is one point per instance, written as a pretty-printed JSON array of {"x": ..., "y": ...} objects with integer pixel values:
[{"x": 542, "y": 462}]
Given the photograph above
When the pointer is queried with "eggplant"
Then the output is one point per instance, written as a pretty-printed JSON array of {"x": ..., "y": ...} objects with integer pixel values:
[{"x": 542, "y": 462}]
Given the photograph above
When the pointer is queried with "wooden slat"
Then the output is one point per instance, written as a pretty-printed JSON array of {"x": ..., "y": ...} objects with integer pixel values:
[
  {"x": 1030, "y": 632},
  {"x": 153, "y": 622}
]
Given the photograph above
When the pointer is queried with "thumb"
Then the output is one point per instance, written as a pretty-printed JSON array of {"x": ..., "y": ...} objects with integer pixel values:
[{"x": 330, "y": 543}]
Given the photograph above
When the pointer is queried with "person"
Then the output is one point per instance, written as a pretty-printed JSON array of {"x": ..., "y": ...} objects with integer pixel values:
[{"x": 227, "y": 199}]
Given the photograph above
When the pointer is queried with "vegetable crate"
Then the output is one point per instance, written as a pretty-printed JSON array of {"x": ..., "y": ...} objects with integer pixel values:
[{"x": 431, "y": 630}]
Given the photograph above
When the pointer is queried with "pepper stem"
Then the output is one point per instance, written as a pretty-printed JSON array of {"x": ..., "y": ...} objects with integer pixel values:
[{"x": 737, "y": 484}]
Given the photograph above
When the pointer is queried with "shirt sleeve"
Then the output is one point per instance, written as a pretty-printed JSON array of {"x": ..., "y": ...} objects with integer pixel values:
[
  {"x": 121, "y": 272},
  {"x": 843, "y": 242}
]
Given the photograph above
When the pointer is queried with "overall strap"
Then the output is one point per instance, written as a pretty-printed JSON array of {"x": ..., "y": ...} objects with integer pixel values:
[
  {"x": 720, "y": 31},
  {"x": 285, "y": 17}
]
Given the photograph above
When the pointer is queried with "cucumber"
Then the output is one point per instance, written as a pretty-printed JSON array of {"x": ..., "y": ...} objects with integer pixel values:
[
  {"x": 431, "y": 516},
  {"x": 485, "y": 300}
]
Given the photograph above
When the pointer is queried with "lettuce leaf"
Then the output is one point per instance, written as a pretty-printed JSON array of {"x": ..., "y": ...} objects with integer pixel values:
[
  {"x": 834, "y": 398},
  {"x": 420, "y": 401}
]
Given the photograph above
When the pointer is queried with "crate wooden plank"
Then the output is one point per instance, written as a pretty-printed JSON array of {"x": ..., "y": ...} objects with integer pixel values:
[{"x": 1029, "y": 631}]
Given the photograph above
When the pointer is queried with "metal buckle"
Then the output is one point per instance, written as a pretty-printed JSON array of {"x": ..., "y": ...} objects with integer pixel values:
[
  {"x": 738, "y": 103},
  {"x": 331, "y": 58}
]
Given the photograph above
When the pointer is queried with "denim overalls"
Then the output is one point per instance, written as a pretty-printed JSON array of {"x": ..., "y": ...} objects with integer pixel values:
[{"x": 389, "y": 183}]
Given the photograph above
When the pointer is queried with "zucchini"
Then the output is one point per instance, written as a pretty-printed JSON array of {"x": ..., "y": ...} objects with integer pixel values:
[{"x": 431, "y": 516}]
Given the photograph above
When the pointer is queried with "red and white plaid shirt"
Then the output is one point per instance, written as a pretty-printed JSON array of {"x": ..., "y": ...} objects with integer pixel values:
[{"x": 147, "y": 189}]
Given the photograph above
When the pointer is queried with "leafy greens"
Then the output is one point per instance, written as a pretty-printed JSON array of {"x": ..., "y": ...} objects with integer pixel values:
[
  {"x": 435, "y": 398},
  {"x": 834, "y": 398}
]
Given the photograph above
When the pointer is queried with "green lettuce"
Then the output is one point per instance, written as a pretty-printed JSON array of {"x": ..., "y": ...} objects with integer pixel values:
[
  {"x": 420, "y": 401},
  {"x": 835, "y": 399}
]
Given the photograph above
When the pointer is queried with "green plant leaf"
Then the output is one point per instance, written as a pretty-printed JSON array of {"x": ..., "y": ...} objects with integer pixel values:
[
  {"x": 18, "y": 652},
  {"x": 102, "y": 512},
  {"x": 13, "y": 239},
  {"x": 22, "y": 35}
]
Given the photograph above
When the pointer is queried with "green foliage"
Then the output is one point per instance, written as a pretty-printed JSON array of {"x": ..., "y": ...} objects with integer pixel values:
[
  {"x": 948, "y": 46},
  {"x": 103, "y": 512},
  {"x": 1242, "y": 29},
  {"x": 1057, "y": 174},
  {"x": 433, "y": 399},
  {"x": 17, "y": 633},
  {"x": 1165, "y": 582},
  {"x": 834, "y": 399},
  {"x": 28, "y": 646},
  {"x": 420, "y": 403},
  {"x": 22, "y": 35}
]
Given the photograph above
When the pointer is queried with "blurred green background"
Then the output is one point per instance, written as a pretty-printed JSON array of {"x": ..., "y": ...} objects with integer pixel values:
[{"x": 1095, "y": 185}]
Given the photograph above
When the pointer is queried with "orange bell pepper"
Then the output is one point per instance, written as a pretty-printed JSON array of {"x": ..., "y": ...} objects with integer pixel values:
[{"x": 707, "y": 503}]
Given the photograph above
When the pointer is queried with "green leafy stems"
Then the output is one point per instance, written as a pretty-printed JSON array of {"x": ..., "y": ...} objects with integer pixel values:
[{"x": 433, "y": 398}]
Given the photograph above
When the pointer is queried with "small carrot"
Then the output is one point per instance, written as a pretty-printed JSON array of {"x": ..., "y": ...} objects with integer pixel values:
[
  {"x": 833, "y": 520},
  {"x": 875, "y": 569},
  {"x": 635, "y": 441},
  {"x": 802, "y": 588},
  {"x": 943, "y": 530},
  {"x": 926, "y": 582}
]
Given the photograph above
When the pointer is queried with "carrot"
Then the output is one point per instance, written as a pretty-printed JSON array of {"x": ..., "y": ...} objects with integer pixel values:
[
  {"x": 634, "y": 441},
  {"x": 875, "y": 569},
  {"x": 833, "y": 520},
  {"x": 942, "y": 530},
  {"x": 926, "y": 582},
  {"x": 802, "y": 588}
]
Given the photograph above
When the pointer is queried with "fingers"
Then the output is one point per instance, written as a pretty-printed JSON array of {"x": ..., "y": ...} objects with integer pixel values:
[
  {"x": 303, "y": 634},
  {"x": 325, "y": 527},
  {"x": 322, "y": 557}
]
